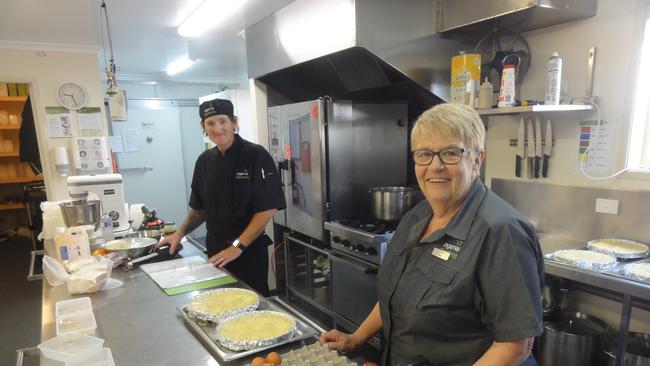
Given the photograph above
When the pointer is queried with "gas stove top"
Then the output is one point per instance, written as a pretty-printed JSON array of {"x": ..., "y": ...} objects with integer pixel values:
[{"x": 366, "y": 240}]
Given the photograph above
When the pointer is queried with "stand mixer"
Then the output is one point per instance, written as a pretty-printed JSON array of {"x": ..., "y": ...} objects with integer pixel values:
[{"x": 107, "y": 188}]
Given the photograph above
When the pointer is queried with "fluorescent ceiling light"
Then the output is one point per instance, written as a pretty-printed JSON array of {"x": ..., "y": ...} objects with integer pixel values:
[
  {"x": 207, "y": 15},
  {"x": 179, "y": 65}
]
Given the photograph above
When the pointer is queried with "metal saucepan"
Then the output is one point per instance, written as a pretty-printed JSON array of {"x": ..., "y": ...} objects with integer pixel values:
[
  {"x": 390, "y": 203},
  {"x": 130, "y": 247},
  {"x": 637, "y": 349},
  {"x": 574, "y": 339}
]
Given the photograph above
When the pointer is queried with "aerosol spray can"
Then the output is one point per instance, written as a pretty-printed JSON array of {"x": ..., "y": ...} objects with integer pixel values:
[
  {"x": 507, "y": 90},
  {"x": 553, "y": 79}
]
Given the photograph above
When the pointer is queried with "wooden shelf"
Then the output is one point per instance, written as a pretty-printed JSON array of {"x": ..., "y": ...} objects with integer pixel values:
[
  {"x": 9, "y": 155},
  {"x": 22, "y": 180},
  {"x": 11, "y": 206},
  {"x": 534, "y": 109},
  {"x": 13, "y": 99},
  {"x": 10, "y": 128}
]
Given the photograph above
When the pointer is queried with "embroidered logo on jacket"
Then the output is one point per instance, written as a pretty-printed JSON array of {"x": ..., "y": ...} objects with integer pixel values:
[{"x": 242, "y": 175}]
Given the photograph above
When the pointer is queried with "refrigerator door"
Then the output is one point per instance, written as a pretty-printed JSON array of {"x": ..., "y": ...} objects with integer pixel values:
[{"x": 296, "y": 133}]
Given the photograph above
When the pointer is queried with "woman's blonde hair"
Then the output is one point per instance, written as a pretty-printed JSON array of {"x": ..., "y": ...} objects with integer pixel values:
[{"x": 453, "y": 120}]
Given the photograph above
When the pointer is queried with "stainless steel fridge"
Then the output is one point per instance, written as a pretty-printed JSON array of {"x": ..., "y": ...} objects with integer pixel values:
[{"x": 330, "y": 152}]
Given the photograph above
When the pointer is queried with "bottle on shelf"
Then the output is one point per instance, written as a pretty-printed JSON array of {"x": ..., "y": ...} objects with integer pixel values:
[
  {"x": 106, "y": 225},
  {"x": 553, "y": 80}
]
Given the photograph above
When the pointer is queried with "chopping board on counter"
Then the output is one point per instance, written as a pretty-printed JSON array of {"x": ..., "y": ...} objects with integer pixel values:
[{"x": 186, "y": 274}]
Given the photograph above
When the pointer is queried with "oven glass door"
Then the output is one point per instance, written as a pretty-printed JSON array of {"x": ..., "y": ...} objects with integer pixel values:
[{"x": 308, "y": 273}]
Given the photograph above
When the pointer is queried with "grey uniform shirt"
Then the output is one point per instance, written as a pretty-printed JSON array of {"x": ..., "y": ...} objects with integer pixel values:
[{"x": 478, "y": 280}]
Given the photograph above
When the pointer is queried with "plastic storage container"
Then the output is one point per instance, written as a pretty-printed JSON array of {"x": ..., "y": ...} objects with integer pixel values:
[
  {"x": 67, "y": 347},
  {"x": 73, "y": 306},
  {"x": 101, "y": 357},
  {"x": 81, "y": 322}
]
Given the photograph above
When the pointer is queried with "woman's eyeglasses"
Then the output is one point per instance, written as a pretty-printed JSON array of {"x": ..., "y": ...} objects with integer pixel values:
[{"x": 448, "y": 156}]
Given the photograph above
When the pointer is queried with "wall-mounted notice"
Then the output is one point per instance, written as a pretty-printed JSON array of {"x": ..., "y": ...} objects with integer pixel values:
[
  {"x": 90, "y": 121},
  {"x": 59, "y": 122},
  {"x": 598, "y": 158},
  {"x": 91, "y": 152}
]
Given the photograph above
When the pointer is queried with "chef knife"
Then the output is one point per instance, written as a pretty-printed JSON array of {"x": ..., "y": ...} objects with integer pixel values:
[
  {"x": 530, "y": 149},
  {"x": 548, "y": 140},
  {"x": 520, "y": 147},
  {"x": 538, "y": 146}
]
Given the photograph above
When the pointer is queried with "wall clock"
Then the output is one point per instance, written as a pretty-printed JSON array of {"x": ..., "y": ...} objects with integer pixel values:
[{"x": 72, "y": 96}]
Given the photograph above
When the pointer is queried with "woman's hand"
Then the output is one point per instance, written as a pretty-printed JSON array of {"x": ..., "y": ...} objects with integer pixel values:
[
  {"x": 174, "y": 241},
  {"x": 339, "y": 341},
  {"x": 225, "y": 256}
]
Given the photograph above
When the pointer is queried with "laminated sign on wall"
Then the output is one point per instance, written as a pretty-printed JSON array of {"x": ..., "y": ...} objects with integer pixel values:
[
  {"x": 91, "y": 153},
  {"x": 598, "y": 147}
]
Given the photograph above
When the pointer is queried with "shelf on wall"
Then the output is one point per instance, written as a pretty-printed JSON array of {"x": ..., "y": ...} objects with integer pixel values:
[
  {"x": 11, "y": 206},
  {"x": 534, "y": 109},
  {"x": 9, "y": 155},
  {"x": 22, "y": 180},
  {"x": 13, "y": 99},
  {"x": 9, "y": 127}
]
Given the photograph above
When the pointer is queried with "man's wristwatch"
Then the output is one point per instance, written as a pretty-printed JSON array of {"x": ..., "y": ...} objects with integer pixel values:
[{"x": 238, "y": 244}]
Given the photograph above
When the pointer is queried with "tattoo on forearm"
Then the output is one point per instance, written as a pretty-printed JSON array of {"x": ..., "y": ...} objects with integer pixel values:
[{"x": 194, "y": 219}]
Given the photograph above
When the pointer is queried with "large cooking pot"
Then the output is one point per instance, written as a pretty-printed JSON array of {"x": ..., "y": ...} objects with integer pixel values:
[
  {"x": 574, "y": 339},
  {"x": 390, "y": 203},
  {"x": 637, "y": 349}
]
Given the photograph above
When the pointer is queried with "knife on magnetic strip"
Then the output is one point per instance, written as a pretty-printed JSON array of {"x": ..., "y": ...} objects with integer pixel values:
[
  {"x": 548, "y": 146},
  {"x": 530, "y": 150},
  {"x": 520, "y": 147}
]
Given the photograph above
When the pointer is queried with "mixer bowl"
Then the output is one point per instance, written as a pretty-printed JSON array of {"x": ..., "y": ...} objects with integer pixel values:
[{"x": 83, "y": 212}]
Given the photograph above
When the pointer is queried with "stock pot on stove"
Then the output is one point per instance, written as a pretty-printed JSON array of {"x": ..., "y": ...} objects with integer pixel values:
[{"x": 391, "y": 203}]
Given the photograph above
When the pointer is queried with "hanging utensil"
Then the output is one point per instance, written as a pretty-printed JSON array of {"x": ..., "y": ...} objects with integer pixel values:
[
  {"x": 530, "y": 150},
  {"x": 538, "y": 146}
]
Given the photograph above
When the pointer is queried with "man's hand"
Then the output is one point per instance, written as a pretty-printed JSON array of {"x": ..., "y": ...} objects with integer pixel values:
[
  {"x": 225, "y": 256},
  {"x": 174, "y": 241}
]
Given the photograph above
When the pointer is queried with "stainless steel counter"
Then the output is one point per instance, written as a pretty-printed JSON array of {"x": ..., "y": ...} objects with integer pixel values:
[{"x": 139, "y": 322}]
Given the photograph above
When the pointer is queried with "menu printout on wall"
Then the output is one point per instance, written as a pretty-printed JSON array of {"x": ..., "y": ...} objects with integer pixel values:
[
  {"x": 91, "y": 154},
  {"x": 90, "y": 121},
  {"x": 598, "y": 158},
  {"x": 59, "y": 122}
]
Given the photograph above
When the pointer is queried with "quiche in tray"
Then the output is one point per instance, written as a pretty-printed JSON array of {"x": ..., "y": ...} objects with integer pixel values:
[
  {"x": 619, "y": 248},
  {"x": 584, "y": 258},
  {"x": 255, "y": 329},
  {"x": 216, "y": 305}
]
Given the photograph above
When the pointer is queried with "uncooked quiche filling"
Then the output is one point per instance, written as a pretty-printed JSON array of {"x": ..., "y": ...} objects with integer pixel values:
[
  {"x": 586, "y": 256},
  {"x": 257, "y": 325},
  {"x": 219, "y": 302},
  {"x": 620, "y": 246}
]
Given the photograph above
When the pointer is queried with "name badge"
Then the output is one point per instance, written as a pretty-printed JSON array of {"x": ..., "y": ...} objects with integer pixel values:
[{"x": 439, "y": 253}]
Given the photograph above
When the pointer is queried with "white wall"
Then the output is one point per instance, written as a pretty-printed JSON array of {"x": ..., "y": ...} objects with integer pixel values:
[
  {"x": 46, "y": 71},
  {"x": 616, "y": 31}
]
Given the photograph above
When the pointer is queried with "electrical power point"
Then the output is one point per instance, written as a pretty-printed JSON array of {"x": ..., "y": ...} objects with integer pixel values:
[{"x": 607, "y": 206}]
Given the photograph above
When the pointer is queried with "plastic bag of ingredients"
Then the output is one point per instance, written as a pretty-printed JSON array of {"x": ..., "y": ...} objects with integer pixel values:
[
  {"x": 87, "y": 281},
  {"x": 75, "y": 264},
  {"x": 54, "y": 272}
]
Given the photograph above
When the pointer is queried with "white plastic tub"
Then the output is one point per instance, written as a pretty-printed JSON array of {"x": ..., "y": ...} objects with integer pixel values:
[
  {"x": 66, "y": 347},
  {"x": 100, "y": 357},
  {"x": 72, "y": 306},
  {"x": 80, "y": 322}
]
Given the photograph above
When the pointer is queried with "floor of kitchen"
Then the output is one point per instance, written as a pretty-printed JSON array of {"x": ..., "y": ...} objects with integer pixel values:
[{"x": 20, "y": 312}]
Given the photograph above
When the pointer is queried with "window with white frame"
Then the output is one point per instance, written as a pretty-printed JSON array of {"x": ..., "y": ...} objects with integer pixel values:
[{"x": 638, "y": 156}]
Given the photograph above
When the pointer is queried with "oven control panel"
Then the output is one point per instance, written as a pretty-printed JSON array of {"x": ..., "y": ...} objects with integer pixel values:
[{"x": 357, "y": 243}]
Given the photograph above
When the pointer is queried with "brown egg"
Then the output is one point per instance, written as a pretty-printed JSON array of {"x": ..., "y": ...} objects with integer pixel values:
[
  {"x": 258, "y": 361},
  {"x": 274, "y": 358}
]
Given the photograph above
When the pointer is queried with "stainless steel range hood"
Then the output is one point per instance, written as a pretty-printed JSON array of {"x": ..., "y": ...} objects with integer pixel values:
[{"x": 355, "y": 49}]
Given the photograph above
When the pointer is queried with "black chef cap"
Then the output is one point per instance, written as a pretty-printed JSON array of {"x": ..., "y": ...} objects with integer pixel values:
[{"x": 215, "y": 107}]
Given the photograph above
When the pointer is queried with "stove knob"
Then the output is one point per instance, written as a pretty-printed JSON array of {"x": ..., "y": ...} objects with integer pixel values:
[
  {"x": 359, "y": 248},
  {"x": 336, "y": 239},
  {"x": 371, "y": 251},
  {"x": 345, "y": 243}
]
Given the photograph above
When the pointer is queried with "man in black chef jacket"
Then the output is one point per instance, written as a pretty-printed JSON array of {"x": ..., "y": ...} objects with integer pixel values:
[{"x": 236, "y": 190}]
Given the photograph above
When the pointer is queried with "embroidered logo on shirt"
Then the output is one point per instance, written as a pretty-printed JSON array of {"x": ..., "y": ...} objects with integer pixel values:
[
  {"x": 449, "y": 249},
  {"x": 242, "y": 175}
]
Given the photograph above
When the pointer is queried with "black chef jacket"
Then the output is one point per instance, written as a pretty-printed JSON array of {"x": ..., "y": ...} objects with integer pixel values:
[
  {"x": 231, "y": 188},
  {"x": 449, "y": 296}
]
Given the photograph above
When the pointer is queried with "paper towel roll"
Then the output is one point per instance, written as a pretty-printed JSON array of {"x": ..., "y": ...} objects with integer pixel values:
[{"x": 135, "y": 213}]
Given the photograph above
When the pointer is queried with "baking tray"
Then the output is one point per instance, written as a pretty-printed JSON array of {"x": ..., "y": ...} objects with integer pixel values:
[
  {"x": 207, "y": 332},
  {"x": 616, "y": 270}
]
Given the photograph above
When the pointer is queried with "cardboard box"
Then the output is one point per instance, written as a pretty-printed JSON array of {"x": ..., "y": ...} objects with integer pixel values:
[
  {"x": 23, "y": 90},
  {"x": 4, "y": 90},
  {"x": 13, "y": 89}
]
